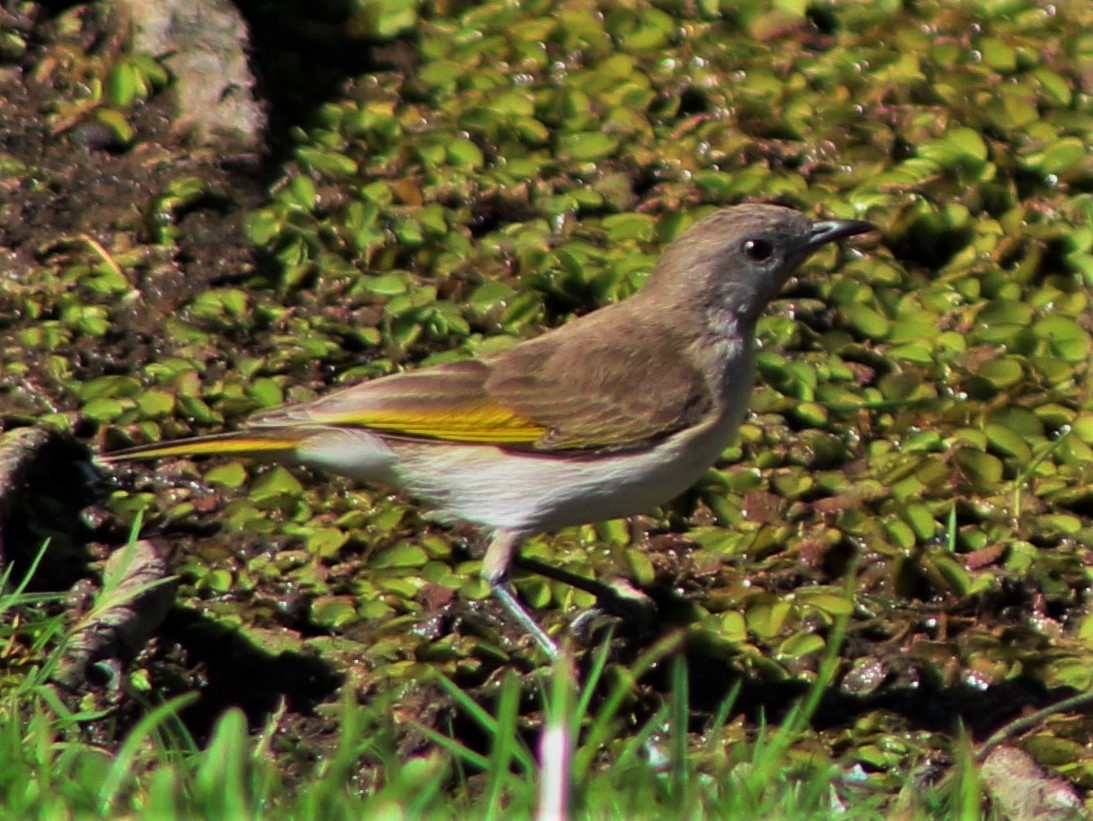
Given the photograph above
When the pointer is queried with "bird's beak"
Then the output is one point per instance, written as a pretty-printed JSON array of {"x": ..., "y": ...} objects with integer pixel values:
[{"x": 830, "y": 230}]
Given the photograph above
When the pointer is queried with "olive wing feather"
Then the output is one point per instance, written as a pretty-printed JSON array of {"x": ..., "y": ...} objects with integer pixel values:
[{"x": 532, "y": 396}]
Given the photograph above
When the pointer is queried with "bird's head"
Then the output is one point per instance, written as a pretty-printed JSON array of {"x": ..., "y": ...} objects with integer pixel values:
[{"x": 736, "y": 260}]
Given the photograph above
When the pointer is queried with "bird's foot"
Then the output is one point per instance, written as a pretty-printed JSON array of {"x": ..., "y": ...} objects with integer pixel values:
[{"x": 616, "y": 599}]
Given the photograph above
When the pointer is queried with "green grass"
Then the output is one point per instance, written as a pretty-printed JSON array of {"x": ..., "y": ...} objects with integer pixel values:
[
  {"x": 586, "y": 759},
  {"x": 924, "y": 402}
]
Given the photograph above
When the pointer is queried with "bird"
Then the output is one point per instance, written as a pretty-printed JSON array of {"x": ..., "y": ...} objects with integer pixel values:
[{"x": 609, "y": 415}]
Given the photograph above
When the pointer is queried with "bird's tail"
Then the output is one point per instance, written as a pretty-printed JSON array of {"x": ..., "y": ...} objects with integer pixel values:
[{"x": 271, "y": 444}]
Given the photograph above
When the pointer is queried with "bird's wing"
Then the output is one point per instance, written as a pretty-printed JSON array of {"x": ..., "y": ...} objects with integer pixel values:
[
  {"x": 533, "y": 396},
  {"x": 445, "y": 402},
  {"x": 603, "y": 391}
]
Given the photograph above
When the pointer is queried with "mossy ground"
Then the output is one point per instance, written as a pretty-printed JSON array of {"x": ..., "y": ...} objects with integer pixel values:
[{"x": 446, "y": 178}]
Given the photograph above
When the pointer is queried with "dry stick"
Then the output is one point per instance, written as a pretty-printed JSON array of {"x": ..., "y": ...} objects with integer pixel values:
[{"x": 1023, "y": 723}]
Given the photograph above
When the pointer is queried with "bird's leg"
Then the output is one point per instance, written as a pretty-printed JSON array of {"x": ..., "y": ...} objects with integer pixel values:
[
  {"x": 619, "y": 598},
  {"x": 495, "y": 570}
]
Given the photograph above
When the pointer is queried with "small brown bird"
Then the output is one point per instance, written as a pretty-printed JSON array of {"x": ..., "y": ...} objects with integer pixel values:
[{"x": 610, "y": 415}]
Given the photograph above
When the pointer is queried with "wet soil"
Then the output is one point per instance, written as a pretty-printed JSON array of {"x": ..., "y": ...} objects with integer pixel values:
[
  {"x": 75, "y": 186},
  {"x": 69, "y": 184}
]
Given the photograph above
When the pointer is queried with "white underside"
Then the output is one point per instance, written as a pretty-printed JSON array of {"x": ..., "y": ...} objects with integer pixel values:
[{"x": 527, "y": 492}]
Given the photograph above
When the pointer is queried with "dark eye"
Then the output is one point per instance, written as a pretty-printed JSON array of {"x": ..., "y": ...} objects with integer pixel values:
[{"x": 758, "y": 250}]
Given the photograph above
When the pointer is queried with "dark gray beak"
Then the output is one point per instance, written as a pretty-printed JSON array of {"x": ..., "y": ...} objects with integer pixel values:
[{"x": 831, "y": 230}]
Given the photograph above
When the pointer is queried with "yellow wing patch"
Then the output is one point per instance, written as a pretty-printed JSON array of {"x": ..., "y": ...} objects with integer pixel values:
[{"x": 483, "y": 422}]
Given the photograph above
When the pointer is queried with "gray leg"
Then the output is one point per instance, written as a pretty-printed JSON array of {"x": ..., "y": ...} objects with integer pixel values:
[
  {"x": 617, "y": 598},
  {"x": 495, "y": 570}
]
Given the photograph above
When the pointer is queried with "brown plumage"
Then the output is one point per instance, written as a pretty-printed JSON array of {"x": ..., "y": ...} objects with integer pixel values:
[{"x": 606, "y": 416}]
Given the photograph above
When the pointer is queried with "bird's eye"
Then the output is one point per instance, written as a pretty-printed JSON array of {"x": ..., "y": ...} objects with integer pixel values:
[{"x": 758, "y": 250}]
